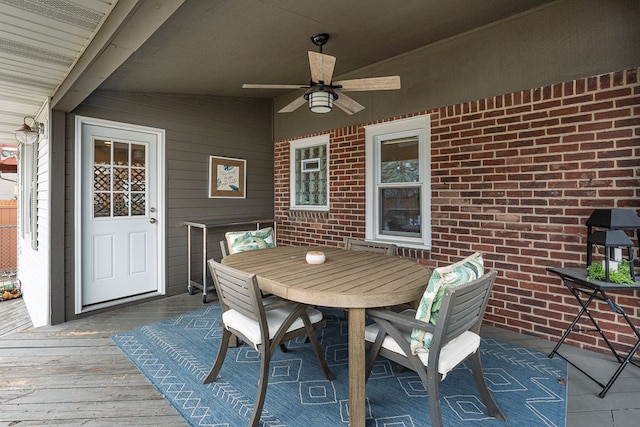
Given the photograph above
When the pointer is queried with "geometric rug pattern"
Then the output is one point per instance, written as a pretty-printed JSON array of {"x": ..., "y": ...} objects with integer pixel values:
[{"x": 176, "y": 354}]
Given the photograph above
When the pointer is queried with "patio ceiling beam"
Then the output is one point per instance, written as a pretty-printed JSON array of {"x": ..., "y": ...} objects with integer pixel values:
[{"x": 129, "y": 25}]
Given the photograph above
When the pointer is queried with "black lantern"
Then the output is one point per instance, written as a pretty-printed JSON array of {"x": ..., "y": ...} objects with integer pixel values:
[{"x": 612, "y": 237}]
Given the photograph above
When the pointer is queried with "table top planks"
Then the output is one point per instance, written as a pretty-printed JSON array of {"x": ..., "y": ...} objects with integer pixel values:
[{"x": 347, "y": 279}]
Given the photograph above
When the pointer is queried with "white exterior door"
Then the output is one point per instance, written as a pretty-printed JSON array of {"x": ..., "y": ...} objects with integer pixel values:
[{"x": 120, "y": 229}]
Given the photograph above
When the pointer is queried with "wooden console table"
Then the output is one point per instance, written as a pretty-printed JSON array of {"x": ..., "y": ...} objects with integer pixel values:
[
  {"x": 586, "y": 291},
  {"x": 205, "y": 226}
]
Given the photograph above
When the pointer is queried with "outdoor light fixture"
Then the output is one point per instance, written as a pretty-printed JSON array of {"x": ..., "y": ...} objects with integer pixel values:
[
  {"x": 320, "y": 99},
  {"x": 29, "y": 134},
  {"x": 610, "y": 235}
]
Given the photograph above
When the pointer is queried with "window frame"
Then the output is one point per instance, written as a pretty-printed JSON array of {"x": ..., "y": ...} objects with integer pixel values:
[
  {"x": 375, "y": 135},
  {"x": 28, "y": 196},
  {"x": 305, "y": 143}
]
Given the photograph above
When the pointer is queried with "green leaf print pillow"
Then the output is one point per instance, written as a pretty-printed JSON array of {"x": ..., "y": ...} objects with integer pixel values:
[
  {"x": 452, "y": 275},
  {"x": 241, "y": 241}
]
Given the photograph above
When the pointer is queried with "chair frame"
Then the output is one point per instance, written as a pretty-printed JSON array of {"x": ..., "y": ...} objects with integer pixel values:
[
  {"x": 353, "y": 244},
  {"x": 239, "y": 291},
  {"x": 224, "y": 251},
  {"x": 461, "y": 310}
]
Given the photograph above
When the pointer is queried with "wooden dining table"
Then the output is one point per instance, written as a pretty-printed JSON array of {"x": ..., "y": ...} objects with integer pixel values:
[{"x": 353, "y": 280}]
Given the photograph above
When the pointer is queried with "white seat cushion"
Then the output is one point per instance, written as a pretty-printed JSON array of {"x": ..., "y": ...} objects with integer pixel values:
[
  {"x": 251, "y": 329},
  {"x": 451, "y": 355}
]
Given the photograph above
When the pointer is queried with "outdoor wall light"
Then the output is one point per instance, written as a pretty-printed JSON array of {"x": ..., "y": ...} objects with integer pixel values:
[
  {"x": 611, "y": 236},
  {"x": 29, "y": 134},
  {"x": 320, "y": 99}
]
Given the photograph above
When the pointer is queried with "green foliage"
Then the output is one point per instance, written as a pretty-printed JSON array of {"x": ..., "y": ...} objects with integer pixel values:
[{"x": 621, "y": 275}]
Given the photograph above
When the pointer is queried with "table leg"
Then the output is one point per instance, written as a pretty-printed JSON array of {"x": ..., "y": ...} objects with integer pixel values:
[
  {"x": 583, "y": 309},
  {"x": 204, "y": 264},
  {"x": 356, "y": 367},
  {"x": 189, "y": 285},
  {"x": 623, "y": 364}
]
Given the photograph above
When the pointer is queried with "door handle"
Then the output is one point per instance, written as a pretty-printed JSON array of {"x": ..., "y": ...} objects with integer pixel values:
[{"x": 152, "y": 220}]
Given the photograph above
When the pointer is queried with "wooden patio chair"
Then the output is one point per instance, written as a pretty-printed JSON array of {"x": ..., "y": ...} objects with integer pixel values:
[
  {"x": 263, "y": 323},
  {"x": 362, "y": 245},
  {"x": 353, "y": 244},
  {"x": 226, "y": 245},
  {"x": 455, "y": 338}
]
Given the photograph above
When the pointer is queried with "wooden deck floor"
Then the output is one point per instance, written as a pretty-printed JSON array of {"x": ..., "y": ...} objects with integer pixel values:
[{"x": 73, "y": 374}]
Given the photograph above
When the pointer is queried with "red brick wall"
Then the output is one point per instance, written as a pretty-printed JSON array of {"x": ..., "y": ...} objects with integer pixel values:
[{"x": 513, "y": 176}]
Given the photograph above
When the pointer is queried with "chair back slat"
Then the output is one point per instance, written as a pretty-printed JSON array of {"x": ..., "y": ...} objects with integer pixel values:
[
  {"x": 237, "y": 290},
  {"x": 362, "y": 245}
]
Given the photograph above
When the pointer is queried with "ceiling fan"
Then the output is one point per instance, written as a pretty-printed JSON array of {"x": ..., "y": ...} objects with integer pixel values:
[{"x": 322, "y": 92}]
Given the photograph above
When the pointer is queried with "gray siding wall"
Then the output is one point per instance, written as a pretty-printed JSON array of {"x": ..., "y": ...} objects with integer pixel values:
[{"x": 196, "y": 127}]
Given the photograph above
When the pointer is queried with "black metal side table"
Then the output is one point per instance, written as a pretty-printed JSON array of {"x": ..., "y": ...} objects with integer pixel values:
[{"x": 586, "y": 291}]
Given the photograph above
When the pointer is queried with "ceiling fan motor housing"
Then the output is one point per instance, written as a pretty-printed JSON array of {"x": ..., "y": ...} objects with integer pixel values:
[{"x": 320, "y": 40}]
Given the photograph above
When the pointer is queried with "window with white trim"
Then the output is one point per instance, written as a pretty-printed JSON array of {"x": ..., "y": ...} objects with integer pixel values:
[
  {"x": 309, "y": 160},
  {"x": 398, "y": 182}
]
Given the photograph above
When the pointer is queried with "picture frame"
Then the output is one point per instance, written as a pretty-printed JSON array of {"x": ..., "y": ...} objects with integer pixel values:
[{"x": 227, "y": 177}]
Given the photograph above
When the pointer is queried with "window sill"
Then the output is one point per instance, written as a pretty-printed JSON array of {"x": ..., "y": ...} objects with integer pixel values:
[
  {"x": 404, "y": 244},
  {"x": 315, "y": 213}
]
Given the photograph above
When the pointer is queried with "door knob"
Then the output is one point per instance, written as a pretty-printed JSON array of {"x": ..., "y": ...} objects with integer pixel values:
[{"x": 152, "y": 220}]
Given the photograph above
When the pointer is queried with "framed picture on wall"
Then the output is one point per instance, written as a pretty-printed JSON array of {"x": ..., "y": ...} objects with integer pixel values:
[{"x": 227, "y": 177}]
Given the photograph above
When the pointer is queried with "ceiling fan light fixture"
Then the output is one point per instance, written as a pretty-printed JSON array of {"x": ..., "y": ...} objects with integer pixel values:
[{"x": 321, "y": 99}]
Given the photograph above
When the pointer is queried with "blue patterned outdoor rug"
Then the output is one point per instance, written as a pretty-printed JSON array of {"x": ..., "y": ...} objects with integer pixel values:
[{"x": 176, "y": 354}]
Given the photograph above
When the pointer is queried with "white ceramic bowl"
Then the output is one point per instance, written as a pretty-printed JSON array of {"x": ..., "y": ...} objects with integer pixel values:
[{"x": 315, "y": 257}]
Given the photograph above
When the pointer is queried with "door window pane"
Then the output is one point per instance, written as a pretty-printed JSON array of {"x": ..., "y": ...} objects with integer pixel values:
[
  {"x": 121, "y": 153},
  {"x": 119, "y": 179},
  {"x": 120, "y": 204}
]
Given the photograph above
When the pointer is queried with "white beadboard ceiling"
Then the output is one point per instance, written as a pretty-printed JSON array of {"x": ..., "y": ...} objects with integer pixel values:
[
  {"x": 40, "y": 42},
  {"x": 65, "y": 49}
]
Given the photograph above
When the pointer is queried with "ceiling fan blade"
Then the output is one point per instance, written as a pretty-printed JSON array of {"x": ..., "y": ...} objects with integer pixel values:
[
  {"x": 269, "y": 86},
  {"x": 347, "y": 104},
  {"x": 321, "y": 67},
  {"x": 293, "y": 105},
  {"x": 372, "y": 83}
]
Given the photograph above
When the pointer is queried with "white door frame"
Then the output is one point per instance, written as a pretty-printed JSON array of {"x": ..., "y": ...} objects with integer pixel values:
[{"x": 160, "y": 214}]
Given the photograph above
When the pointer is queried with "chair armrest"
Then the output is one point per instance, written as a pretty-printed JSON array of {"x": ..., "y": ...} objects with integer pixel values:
[{"x": 405, "y": 319}]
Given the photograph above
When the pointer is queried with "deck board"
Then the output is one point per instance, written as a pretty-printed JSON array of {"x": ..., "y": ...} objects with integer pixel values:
[
  {"x": 13, "y": 316},
  {"x": 74, "y": 375}
]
